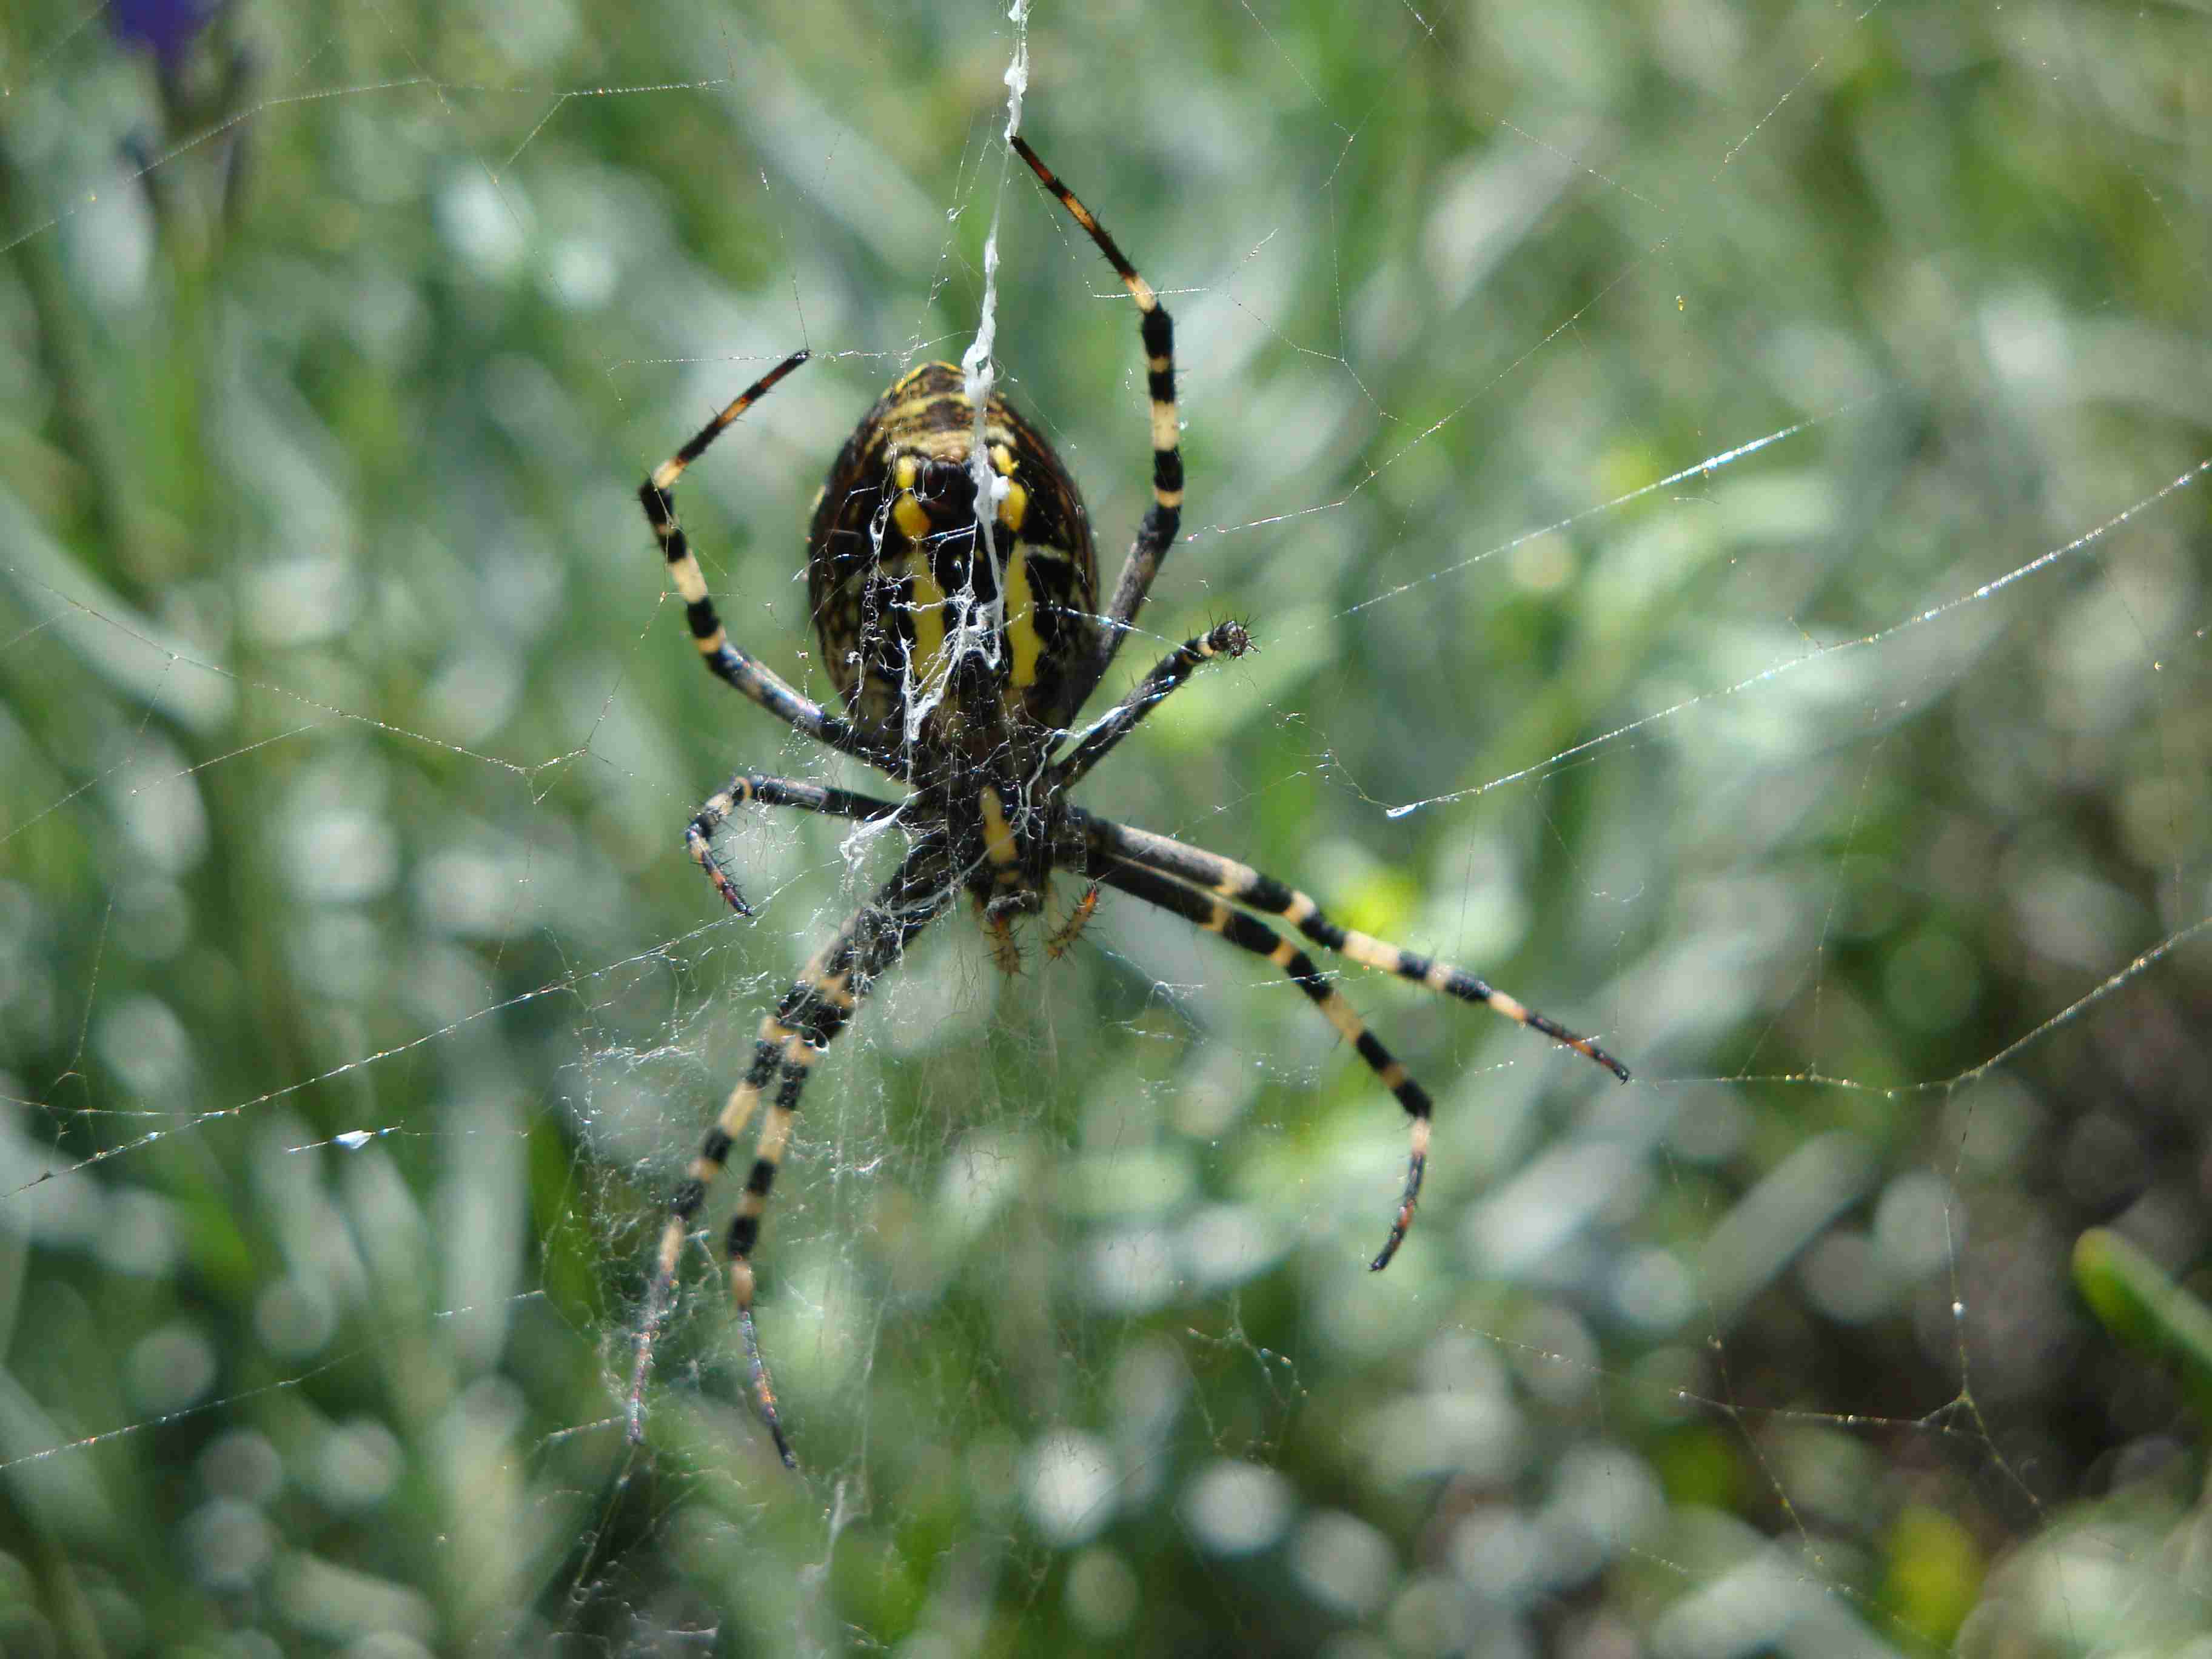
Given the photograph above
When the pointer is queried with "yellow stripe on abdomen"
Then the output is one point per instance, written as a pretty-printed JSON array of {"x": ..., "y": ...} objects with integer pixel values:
[
  {"x": 925, "y": 609},
  {"x": 1023, "y": 640}
]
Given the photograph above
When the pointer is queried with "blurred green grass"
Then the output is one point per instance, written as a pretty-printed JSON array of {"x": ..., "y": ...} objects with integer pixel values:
[{"x": 346, "y": 732}]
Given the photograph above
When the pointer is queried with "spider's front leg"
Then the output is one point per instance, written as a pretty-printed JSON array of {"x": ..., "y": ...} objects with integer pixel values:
[
  {"x": 1212, "y": 915},
  {"x": 819, "y": 1006},
  {"x": 1201, "y": 887},
  {"x": 1243, "y": 884}
]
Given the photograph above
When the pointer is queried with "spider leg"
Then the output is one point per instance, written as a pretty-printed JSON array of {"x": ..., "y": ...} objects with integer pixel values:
[
  {"x": 1164, "y": 519},
  {"x": 1248, "y": 935},
  {"x": 1061, "y": 939},
  {"x": 819, "y": 1006},
  {"x": 1245, "y": 886},
  {"x": 1228, "y": 640},
  {"x": 738, "y": 668},
  {"x": 749, "y": 787}
]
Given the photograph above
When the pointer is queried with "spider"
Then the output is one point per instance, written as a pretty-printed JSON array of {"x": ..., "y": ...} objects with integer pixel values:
[{"x": 953, "y": 584}]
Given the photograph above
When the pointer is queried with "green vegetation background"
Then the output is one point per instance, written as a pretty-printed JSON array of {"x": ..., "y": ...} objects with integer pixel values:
[{"x": 346, "y": 733}]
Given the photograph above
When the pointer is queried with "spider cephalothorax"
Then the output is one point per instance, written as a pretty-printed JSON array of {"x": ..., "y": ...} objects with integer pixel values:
[{"x": 956, "y": 605}]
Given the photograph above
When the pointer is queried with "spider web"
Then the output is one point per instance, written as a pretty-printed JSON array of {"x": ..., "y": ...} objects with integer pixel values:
[{"x": 1721, "y": 495}]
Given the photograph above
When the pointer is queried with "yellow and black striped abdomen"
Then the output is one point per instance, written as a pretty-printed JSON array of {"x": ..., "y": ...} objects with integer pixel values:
[{"x": 910, "y": 613}]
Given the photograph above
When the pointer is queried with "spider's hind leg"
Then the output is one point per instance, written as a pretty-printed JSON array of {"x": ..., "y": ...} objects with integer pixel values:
[
  {"x": 734, "y": 666},
  {"x": 1163, "y": 520}
]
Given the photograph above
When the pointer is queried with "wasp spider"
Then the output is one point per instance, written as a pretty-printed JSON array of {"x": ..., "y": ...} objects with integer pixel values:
[{"x": 954, "y": 589}]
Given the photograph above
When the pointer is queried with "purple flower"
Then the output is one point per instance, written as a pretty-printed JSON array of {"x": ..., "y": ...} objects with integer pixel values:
[{"x": 165, "y": 27}]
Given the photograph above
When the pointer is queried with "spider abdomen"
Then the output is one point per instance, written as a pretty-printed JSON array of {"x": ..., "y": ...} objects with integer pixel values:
[{"x": 937, "y": 642}]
